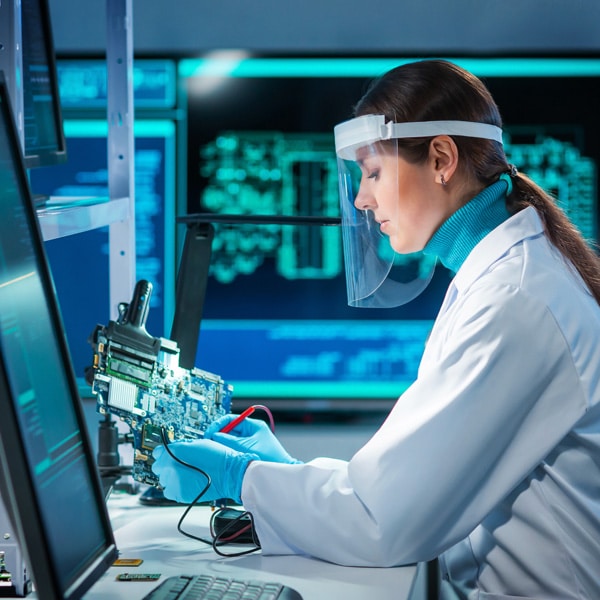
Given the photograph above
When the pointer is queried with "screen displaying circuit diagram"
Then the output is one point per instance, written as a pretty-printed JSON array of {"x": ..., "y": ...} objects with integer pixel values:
[
  {"x": 274, "y": 173},
  {"x": 276, "y": 299}
]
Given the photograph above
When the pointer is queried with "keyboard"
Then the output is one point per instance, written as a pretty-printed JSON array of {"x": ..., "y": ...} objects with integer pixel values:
[{"x": 209, "y": 587}]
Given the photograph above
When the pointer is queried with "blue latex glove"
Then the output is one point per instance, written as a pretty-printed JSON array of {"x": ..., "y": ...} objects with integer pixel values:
[
  {"x": 225, "y": 466},
  {"x": 251, "y": 435}
]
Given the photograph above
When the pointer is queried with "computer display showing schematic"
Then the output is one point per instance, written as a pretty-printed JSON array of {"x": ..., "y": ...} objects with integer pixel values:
[
  {"x": 260, "y": 141},
  {"x": 290, "y": 174},
  {"x": 279, "y": 174},
  {"x": 555, "y": 163}
]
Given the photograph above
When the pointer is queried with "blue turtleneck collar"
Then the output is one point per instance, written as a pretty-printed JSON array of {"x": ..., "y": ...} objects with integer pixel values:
[{"x": 457, "y": 236}]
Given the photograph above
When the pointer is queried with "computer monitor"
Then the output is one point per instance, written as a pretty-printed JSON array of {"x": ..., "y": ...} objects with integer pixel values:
[
  {"x": 11, "y": 59},
  {"x": 44, "y": 140},
  {"x": 29, "y": 64},
  {"x": 260, "y": 141},
  {"x": 48, "y": 478}
]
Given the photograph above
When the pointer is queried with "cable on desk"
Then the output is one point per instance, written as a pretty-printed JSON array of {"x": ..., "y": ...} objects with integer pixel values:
[{"x": 218, "y": 540}]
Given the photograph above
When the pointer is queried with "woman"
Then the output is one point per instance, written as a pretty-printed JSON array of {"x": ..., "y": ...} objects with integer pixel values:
[{"x": 491, "y": 459}]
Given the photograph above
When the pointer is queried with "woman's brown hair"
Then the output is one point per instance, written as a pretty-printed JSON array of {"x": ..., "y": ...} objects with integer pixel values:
[{"x": 436, "y": 90}]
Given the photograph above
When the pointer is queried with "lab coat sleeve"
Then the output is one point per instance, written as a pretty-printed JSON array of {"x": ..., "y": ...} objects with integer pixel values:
[{"x": 496, "y": 391}]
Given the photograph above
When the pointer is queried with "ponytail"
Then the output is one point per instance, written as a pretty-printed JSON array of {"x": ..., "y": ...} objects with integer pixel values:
[{"x": 558, "y": 228}]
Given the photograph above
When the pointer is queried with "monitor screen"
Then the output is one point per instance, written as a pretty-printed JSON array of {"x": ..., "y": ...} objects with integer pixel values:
[
  {"x": 49, "y": 480},
  {"x": 79, "y": 262},
  {"x": 260, "y": 141},
  {"x": 11, "y": 56},
  {"x": 43, "y": 137}
]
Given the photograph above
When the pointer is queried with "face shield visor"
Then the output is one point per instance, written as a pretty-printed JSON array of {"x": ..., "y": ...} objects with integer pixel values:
[{"x": 376, "y": 275}]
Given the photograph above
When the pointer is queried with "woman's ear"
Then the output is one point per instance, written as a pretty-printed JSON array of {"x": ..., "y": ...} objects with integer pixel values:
[{"x": 443, "y": 154}]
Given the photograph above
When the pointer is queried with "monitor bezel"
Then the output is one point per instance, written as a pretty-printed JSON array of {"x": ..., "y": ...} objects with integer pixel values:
[
  {"x": 58, "y": 155},
  {"x": 17, "y": 488}
]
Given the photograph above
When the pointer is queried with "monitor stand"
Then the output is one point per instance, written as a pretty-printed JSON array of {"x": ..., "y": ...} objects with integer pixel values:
[{"x": 192, "y": 279}]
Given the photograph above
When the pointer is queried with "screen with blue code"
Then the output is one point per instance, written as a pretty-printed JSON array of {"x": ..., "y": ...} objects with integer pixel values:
[
  {"x": 79, "y": 262},
  {"x": 82, "y": 84},
  {"x": 260, "y": 141}
]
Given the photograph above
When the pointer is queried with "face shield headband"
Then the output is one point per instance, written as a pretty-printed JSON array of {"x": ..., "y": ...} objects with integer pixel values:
[{"x": 376, "y": 275}]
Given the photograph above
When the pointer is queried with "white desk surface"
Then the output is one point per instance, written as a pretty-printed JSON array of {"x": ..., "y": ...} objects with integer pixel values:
[{"x": 150, "y": 533}]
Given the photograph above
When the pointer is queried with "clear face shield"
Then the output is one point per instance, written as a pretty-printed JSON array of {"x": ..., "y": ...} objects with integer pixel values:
[{"x": 376, "y": 275}]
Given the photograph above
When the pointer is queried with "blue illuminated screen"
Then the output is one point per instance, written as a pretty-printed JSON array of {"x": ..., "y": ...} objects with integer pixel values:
[
  {"x": 40, "y": 394},
  {"x": 254, "y": 136},
  {"x": 79, "y": 262},
  {"x": 44, "y": 140},
  {"x": 276, "y": 321}
]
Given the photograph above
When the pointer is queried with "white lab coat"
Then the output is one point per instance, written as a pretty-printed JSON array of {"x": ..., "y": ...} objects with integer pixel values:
[{"x": 490, "y": 460}]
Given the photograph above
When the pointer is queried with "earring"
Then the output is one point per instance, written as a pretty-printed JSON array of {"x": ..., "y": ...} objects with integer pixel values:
[{"x": 442, "y": 180}]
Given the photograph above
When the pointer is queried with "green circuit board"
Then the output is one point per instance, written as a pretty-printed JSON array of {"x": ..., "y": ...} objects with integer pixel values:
[{"x": 137, "y": 378}]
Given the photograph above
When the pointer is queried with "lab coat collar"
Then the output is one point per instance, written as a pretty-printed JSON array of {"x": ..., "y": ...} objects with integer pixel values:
[{"x": 524, "y": 224}]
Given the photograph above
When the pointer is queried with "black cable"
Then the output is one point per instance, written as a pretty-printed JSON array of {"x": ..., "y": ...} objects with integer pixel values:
[
  {"x": 215, "y": 542},
  {"x": 197, "y": 499},
  {"x": 218, "y": 538}
]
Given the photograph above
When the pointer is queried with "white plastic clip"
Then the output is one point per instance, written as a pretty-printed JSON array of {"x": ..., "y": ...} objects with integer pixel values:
[{"x": 387, "y": 130}]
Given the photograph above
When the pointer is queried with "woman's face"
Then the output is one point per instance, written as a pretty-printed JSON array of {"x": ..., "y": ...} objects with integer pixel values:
[{"x": 405, "y": 199}]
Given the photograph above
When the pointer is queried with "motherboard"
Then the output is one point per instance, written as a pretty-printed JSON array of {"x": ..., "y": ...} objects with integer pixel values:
[{"x": 137, "y": 378}]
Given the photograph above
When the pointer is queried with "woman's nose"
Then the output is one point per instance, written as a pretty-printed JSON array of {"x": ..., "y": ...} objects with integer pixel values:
[{"x": 364, "y": 200}]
